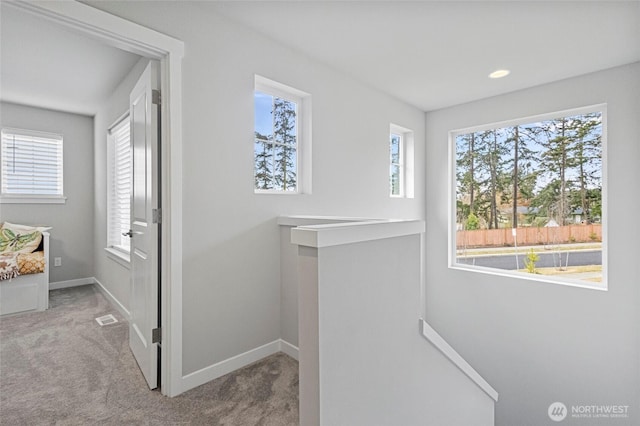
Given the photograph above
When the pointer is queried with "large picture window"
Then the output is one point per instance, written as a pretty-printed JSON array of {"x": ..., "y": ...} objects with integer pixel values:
[{"x": 528, "y": 198}]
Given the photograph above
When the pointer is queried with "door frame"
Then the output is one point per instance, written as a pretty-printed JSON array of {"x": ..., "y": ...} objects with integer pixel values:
[{"x": 126, "y": 35}]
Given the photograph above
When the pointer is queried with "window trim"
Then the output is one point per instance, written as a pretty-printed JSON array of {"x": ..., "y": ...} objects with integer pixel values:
[
  {"x": 35, "y": 198},
  {"x": 303, "y": 134},
  {"x": 32, "y": 199},
  {"x": 406, "y": 163},
  {"x": 400, "y": 165},
  {"x": 452, "y": 264}
]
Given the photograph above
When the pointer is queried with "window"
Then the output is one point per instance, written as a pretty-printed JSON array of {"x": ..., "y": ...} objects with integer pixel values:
[
  {"x": 400, "y": 162},
  {"x": 396, "y": 168},
  {"x": 528, "y": 198},
  {"x": 31, "y": 166},
  {"x": 278, "y": 146},
  {"x": 120, "y": 180}
]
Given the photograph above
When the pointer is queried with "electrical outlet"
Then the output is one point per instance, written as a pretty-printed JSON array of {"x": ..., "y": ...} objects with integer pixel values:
[{"x": 57, "y": 261}]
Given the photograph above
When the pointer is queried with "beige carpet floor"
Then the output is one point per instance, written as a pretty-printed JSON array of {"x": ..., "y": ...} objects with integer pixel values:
[{"x": 59, "y": 367}]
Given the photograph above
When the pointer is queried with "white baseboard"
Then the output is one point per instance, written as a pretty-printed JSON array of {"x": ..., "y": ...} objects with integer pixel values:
[
  {"x": 92, "y": 280},
  {"x": 436, "y": 340},
  {"x": 227, "y": 366},
  {"x": 71, "y": 283},
  {"x": 115, "y": 302},
  {"x": 289, "y": 349}
]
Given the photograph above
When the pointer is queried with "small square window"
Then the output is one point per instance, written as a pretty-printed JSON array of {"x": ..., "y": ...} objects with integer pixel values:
[{"x": 31, "y": 164}]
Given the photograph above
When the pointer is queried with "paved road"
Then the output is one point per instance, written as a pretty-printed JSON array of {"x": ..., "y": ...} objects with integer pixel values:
[{"x": 562, "y": 258}]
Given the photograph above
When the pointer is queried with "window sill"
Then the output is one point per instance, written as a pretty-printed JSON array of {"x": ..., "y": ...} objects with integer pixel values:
[
  {"x": 119, "y": 256},
  {"x": 549, "y": 279},
  {"x": 275, "y": 192},
  {"x": 31, "y": 199}
]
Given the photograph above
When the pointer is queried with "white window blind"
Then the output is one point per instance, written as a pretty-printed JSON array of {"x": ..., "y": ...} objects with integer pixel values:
[
  {"x": 121, "y": 180},
  {"x": 31, "y": 163}
]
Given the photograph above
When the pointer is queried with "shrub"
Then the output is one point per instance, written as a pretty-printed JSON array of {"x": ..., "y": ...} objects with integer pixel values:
[
  {"x": 530, "y": 261},
  {"x": 473, "y": 222}
]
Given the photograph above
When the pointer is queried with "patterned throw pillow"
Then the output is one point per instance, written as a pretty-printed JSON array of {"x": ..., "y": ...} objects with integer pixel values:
[
  {"x": 19, "y": 238},
  {"x": 31, "y": 263}
]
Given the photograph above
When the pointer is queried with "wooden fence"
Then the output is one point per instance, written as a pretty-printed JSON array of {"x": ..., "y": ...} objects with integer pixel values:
[{"x": 529, "y": 236}]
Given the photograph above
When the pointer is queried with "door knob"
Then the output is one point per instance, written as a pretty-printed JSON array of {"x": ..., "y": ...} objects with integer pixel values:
[{"x": 131, "y": 233}]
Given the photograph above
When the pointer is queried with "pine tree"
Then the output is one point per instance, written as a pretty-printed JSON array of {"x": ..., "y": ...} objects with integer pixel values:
[
  {"x": 588, "y": 158},
  {"x": 491, "y": 149},
  {"x": 465, "y": 175},
  {"x": 263, "y": 162},
  {"x": 521, "y": 179},
  {"x": 285, "y": 139},
  {"x": 557, "y": 160}
]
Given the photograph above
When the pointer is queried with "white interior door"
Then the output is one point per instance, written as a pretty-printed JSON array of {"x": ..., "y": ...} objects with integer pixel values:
[{"x": 144, "y": 232}]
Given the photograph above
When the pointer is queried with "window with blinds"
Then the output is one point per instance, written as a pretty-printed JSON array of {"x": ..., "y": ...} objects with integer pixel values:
[
  {"x": 120, "y": 180},
  {"x": 31, "y": 164}
]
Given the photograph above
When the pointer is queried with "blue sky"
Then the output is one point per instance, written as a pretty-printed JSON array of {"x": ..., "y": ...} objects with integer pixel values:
[{"x": 263, "y": 105}]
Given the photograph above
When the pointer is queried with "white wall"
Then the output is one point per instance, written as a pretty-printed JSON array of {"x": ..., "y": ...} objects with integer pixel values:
[
  {"x": 538, "y": 343},
  {"x": 72, "y": 222},
  {"x": 231, "y": 279},
  {"x": 112, "y": 274}
]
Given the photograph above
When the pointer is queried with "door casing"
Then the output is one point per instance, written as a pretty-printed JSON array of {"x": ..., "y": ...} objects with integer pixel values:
[{"x": 126, "y": 35}]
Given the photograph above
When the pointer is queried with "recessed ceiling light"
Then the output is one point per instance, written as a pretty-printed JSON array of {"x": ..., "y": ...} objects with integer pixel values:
[{"x": 499, "y": 73}]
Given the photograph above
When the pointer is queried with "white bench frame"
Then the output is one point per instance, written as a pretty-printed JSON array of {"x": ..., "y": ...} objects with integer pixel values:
[{"x": 27, "y": 293}]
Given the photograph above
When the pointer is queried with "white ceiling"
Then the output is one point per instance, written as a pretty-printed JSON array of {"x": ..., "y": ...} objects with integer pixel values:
[
  {"x": 47, "y": 65},
  {"x": 431, "y": 54},
  {"x": 434, "y": 54}
]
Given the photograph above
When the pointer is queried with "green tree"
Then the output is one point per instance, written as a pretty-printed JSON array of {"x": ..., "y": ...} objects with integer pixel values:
[
  {"x": 479, "y": 171},
  {"x": 472, "y": 223},
  {"x": 491, "y": 154},
  {"x": 285, "y": 140},
  {"x": 556, "y": 160},
  {"x": 465, "y": 170},
  {"x": 547, "y": 199},
  {"x": 521, "y": 179},
  {"x": 588, "y": 159},
  {"x": 263, "y": 155}
]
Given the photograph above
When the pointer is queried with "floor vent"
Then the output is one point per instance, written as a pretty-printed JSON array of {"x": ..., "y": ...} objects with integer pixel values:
[{"x": 106, "y": 320}]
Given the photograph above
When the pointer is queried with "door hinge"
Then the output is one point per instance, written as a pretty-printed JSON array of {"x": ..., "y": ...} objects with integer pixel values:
[
  {"x": 156, "y": 98},
  {"x": 156, "y": 335},
  {"x": 156, "y": 215}
]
